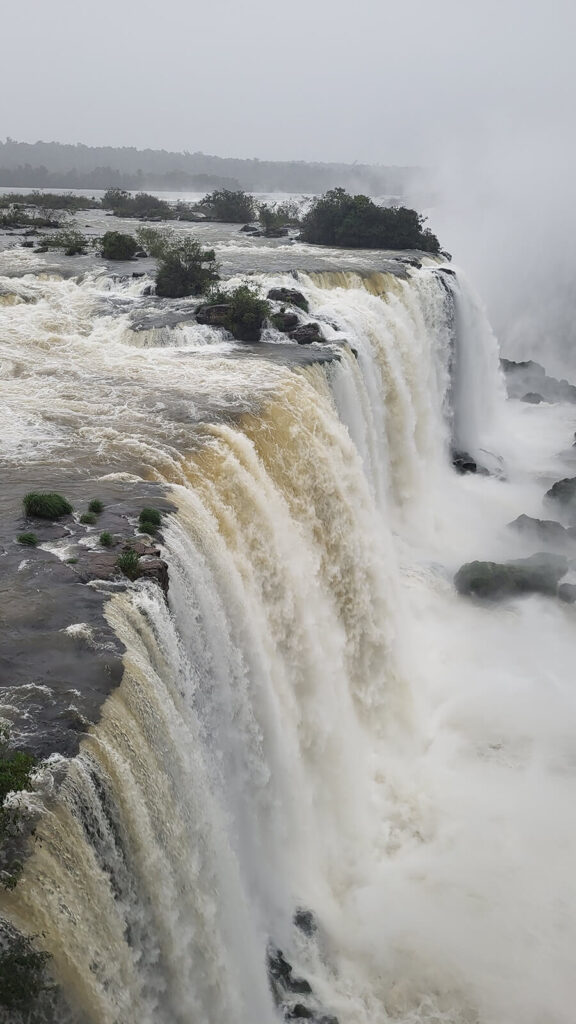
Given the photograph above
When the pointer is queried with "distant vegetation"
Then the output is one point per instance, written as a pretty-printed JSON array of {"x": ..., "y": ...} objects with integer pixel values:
[
  {"x": 228, "y": 207},
  {"x": 53, "y": 165},
  {"x": 355, "y": 222},
  {"x": 115, "y": 245},
  {"x": 72, "y": 242},
  {"x": 141, "y": 206},
  {"x": 49, "y": 201},
  {"x": 18, "y": 218}
]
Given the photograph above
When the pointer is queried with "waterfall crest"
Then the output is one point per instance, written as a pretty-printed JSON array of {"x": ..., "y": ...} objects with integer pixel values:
[{"x": 247, "y": 765}]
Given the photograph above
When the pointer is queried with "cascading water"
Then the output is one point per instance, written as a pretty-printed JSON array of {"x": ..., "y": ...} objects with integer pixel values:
[{"x": 311, "y": 722}]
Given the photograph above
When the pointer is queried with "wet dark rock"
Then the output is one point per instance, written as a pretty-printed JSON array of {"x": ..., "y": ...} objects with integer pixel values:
[
  {"x": 213, "y": 316},
  {"x": 446, "y": 270},
  {"x": 538, "y": 574},
  {"x": 567, "y": 592},
  {"x": 138, "y": 273},
  {"x": 284, "y": 321},
  {"x": 306, "y": 922},
  {"x": 281, "y": 973},
  {"x": 307, "y": 334},
  {"x": 542, "y": 531},
  {"x": 299, "y": 1012},
  {"x": 464, "y": 463},
  {"x": 289, "y": 296},
  {"x": 249, "y": 229},
  {"x": 155, "y": 569},
  {"x": 275, "y": 232},
  {"x": 532, "y": 398}
]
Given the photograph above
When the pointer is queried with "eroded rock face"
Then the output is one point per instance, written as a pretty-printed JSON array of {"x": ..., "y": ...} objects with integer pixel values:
[
  {"x": 543, "y": 531},
  {"x": 529, "y": 382},
  {"x": 538, "y": 574},
  {"x": 563, "y": 492}
]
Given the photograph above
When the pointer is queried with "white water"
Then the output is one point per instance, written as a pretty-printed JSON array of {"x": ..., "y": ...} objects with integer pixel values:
[{"x": 319, "y": 721}]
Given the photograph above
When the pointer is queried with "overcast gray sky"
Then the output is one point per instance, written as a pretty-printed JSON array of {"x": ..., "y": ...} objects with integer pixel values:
[
  {"x": 373, "y": 80},
  {"x": 484, "y": 91}
]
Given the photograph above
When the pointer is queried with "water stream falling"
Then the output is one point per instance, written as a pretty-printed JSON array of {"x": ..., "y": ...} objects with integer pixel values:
[{"x": 314, "y": 720}]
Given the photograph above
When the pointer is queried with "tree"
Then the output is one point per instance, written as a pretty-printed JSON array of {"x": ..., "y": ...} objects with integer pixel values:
[
  {"x": 355, "y": 222},
  {"x": 229, "y": 207},
  {"x": 115, "y": 245},
  {"x": 184, "y": 267}
]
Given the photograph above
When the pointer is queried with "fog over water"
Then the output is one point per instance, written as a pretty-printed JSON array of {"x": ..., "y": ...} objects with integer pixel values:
[{"x": 481, "y": 93}]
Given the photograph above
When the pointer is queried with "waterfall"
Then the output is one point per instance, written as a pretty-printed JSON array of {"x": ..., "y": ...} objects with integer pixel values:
[{"x": 266, "y": 751}]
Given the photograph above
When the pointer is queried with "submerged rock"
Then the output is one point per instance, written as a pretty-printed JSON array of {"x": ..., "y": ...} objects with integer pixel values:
[
  {"x": 538, "y": 574},
  {"x": 532, "y": 398}
]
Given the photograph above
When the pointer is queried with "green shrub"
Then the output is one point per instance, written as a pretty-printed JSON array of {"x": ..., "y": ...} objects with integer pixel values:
[
  {"x": 149, "y": 520},
  {"x": 355, "y": 222},
  {"x": 245, "y": 312},
  {"x": 106, "y": 539},
  {"x": 22, "y": 974},
  {"x": 96, "y": 506},
  {"x": 46, "y": 505},
  {"x": 15, "y": 771},
  {"x": 150, "y": 515},
  {"x": 71, "y": 561},
  {"x": 115, "y": 245},
  {"x": 228, "y": 207},
  {"x": 29, "y": 540},
  {"x": 184, "y": 267},
  {"x": 129, "y": 564},
  {"x": 88, "y": 519},
  {"x": 73, "y": 242}
]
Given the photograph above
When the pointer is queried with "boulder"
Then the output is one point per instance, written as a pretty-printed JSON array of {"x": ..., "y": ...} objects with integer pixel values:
[
  {"x": 275, "y": 232},
  {"x": 538, "y": 574},
  {"x": 213, "y": 316},
  {"x": 567, "y": 592},
  {"x": 248, "y": 228},
  {"x": 543, "y": 531},
  {"x": 284, "y": 321},
  {"x": 532, "y": 398},
  {"x": 289, "y": 296},
  {"x": 464, "y": 463},
  {"x": 306, "y": 334}
]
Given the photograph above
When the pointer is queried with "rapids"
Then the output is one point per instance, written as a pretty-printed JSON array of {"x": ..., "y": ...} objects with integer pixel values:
[{"x": 315, "y": 719}]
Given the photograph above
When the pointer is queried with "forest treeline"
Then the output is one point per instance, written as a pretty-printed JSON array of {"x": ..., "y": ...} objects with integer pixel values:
[{"x": 56, "y": 165}]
